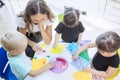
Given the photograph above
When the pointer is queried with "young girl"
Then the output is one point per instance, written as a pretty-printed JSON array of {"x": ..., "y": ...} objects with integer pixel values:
[
  {"x": 15, "y": 43},
  {"x": 36, "y": 24},
  {"x": 106, "y": 59},
  {"x": 71, "y": 28}
]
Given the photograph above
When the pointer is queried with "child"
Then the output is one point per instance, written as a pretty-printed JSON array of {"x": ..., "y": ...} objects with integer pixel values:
[
  {"x": 106, "y": 60},
  {"x": 36, "y": 23},
  {"x": 15, "y": 43},
  {"x": 71, "y": 28}
]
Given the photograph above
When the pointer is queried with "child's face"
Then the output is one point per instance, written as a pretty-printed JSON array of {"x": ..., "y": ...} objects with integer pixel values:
[
  {"x": 107, "y": 54},
  {"x": 42, "y": 18}
]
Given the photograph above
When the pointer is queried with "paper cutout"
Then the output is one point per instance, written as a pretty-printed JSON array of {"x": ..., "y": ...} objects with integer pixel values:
[
  {"x": 81, "y": 75},
  {"x": 73, "y": 47},
  {"x": 85, "y": 55},
  {"x": 35, "y": 57},
  {"x": 48, "y": 56},
  {"x": 59, "y": 49},
  {"x": 116, "y": 74},
  {"x": 43, "y": 45},
  {"x": 83, "y": 42},
  {"x": 79, "y": 63},
  {"x": 43, "y": 51},
  {"x": 61, "y": 65},
  {"x": 38, "y": 63},
  {"x": 60, "y": 17}
]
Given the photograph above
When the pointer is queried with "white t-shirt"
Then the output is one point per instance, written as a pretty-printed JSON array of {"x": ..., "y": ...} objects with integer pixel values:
[{"x": 21, "y": 23}]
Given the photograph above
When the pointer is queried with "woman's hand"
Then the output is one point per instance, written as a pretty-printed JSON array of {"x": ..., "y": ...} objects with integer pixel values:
[
  {"x": 46, "y": 31},
  {"x": 36, "y": 47},
  {"x": 40, "y": 24}
]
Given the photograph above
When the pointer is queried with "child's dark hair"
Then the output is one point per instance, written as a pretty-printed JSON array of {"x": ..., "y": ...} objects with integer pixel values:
[
  {"x": 108, "y": 41},
  {"x": 71, "y": 16},
  {"x": 34, "y": 7}
]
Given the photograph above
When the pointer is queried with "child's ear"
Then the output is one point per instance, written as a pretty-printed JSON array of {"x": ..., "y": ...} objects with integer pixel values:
[{"x": 12, "y": 51}]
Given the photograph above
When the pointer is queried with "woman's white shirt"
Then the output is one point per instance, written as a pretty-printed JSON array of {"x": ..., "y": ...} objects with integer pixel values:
[{"x": 21, "y": 24}]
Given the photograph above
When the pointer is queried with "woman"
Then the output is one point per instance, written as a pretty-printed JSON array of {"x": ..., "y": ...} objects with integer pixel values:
[{"x": 36, "y": 24}]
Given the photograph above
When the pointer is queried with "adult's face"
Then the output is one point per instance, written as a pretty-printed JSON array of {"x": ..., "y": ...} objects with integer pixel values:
[{"x": 42, "y": 18}]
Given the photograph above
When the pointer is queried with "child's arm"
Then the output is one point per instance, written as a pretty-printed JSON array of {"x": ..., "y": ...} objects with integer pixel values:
[
  {"x": 57, "y": 35},
  {"x": 108, "y": 73},
  {"x": 89, "y": 45},
  {"x": 79, "y": 38},
  {"x": 41, "y": 70}
]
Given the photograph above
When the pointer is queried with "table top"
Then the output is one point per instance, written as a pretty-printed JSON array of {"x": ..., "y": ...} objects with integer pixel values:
[{"x": 49, "y": 75}]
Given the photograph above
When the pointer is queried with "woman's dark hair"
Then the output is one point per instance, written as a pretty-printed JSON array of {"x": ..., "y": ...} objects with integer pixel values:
[
  {"x": 108, "y": 41},
  {"x": 34, "y": 7}
]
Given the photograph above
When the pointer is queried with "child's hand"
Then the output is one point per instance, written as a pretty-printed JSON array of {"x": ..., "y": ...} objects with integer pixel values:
[
  {"x": 36, "y": 47},
  {"x": 54, "y": 45},
  {"x": 87, "y": 69},
  {"x": 50, "y": 64},
  {"x": 78, "y": 42},
  {"x": 75, "y": 56}
]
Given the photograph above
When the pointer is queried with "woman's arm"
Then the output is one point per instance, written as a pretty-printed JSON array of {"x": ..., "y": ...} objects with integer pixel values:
[
  {"x": 46, "y": 33},
  {"x": 89, "y": 45},
  {"x": 108, "y": 73},
  {"x": 33, "y": 44},
  {"x": 23, "y": 30}
]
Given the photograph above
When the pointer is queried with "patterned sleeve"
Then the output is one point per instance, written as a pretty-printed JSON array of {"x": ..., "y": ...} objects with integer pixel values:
[{"x": 59, "y": 28}]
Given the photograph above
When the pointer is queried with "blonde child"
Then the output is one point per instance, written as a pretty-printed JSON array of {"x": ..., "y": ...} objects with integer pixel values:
[
  {"x": 71, "y": 28},
  {"x": 15, "y": 43},
  {"x": 106, "y": 60}
]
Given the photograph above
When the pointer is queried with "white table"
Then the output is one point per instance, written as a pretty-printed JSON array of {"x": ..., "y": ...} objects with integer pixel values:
[{"x": 49, "y": 75}]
